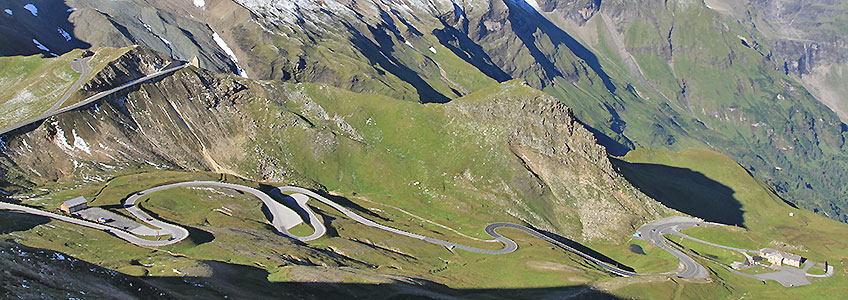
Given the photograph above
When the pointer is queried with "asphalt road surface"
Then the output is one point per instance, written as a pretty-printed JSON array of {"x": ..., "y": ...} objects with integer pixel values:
[
  {"x": 111, "y": 230},
  {"x": 653, "y": 233},
  {"x": 785, "y": 275},
  {"x": 284, "y": 217},
  {"x": 80, "y": 66}
]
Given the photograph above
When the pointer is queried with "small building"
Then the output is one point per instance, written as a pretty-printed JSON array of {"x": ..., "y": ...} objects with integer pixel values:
[
  {"x": 74, "y": 205},
  {"x": 779, "y": 258},
  {"x": 794, "y": 260}
]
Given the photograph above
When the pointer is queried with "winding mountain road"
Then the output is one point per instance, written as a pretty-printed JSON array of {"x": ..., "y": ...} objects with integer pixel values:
[
  {"x": 129, "y": 237},
  {"x": 653, "y": 233},
  {"x": 284, "y": 217}
]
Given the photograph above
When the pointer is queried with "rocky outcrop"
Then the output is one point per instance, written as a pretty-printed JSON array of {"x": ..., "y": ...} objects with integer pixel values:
[
  {"x": 590, "y": 200},
  {"x": 136, "y": 63}
]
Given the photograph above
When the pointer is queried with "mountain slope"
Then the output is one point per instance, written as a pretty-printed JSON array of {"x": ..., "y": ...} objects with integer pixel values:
[
  {"x": 705, "y": 82},
  {"x": 30, "y": 273},
  {"x": 768, "y": 220},
  {"x": 548, "y": 171},
  {"x": 440, "y": 161},
  {"x": 508, "y": 150},
  {"x": 667, "y": 75}
]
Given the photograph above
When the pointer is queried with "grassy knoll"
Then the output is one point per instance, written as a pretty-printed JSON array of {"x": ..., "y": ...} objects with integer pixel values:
[
  {"x": 715, "y": 254},
  {"x": 29, "y": 85},
  {"x": 655, "y": 260}
]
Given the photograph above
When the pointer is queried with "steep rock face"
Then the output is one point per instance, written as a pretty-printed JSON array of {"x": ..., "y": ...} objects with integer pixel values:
[
  {"x": 520, "y": 41},
  {"x": 178, "y": 29},
  {"x": 808, "y": 40},
  {"x": 803, "y": 35},
  {"x": 48, "y": 25},
  {"x": 567, "y": 162},
  {"x": 90, "y": 142},
  {"x": 135, "y": 64}
]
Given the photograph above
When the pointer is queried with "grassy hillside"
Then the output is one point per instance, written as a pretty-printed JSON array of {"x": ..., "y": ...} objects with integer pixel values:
[
  {"x": 505, "y": 152},
  {"x": 350, "y": 253},
  {"x": 713, "y": 186},
  {"x": 703, "y": 82},
  {"x": 30, "y": 85}
]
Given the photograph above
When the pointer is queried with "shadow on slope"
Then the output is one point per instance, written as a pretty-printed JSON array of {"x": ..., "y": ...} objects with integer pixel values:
[
  {"x": 196, "y": 235},
  {"x": 380, "y": 54},
  {"x": 613, "y": 146},
  {"x": 11, "y": 221},
  {"x": 587, "y": 250},
  {"x": 274, "y": 192},
  {"x": 51, "y": 27},
  {"x": 248, "y": 282},
  {"x": 685, "y": 190},
  {"x": 526, "y": 22},
  {"x": 469, "y": 51}
]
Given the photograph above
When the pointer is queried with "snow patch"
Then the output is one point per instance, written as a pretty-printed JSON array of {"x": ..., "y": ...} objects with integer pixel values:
[
  {"x": 71, "y": 9},
  {"x": 433, "y": 50},
  {"x": 532, "y": 3},
  {"x": 200, "y": 3},
  {"x": 39, "y": 45},
  {"x": 9, "y": 11},
  {"x": 409, "y": 44},
  {"x": 60, "y": 138},
  {"x": 221, "y": 43},
  {"x": 31, "y": 8},
  {"x": 529, "y": 5},
  {"x": 79, "y": 143},
  {"x": 64, "y": 33}
]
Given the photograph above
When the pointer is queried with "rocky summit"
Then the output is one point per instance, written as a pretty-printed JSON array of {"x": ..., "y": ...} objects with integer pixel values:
[{"x": 481, "y": 149}]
